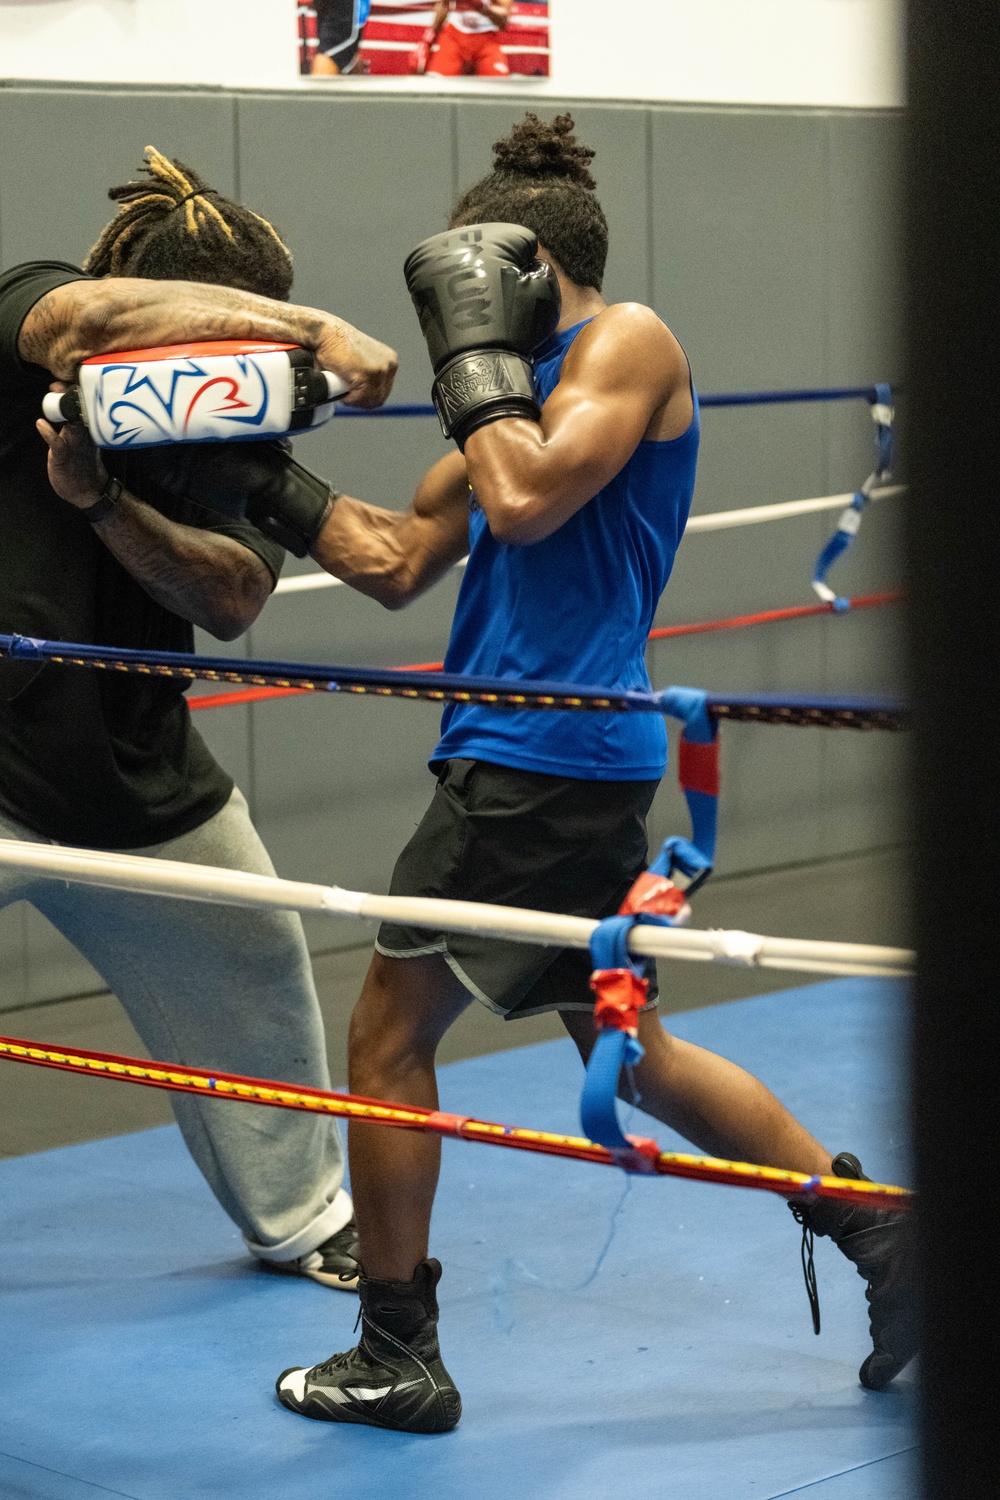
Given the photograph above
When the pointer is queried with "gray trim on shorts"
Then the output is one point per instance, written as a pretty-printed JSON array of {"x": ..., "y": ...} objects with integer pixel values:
[
  {"x": 441, "y": 947},
  {"x": 585, "y": 1007},
  {"x": 456, "y": 968}
]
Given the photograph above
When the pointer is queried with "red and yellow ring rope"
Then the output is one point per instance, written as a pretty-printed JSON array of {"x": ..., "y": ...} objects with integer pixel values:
[{"x": 236, "y": 1087}]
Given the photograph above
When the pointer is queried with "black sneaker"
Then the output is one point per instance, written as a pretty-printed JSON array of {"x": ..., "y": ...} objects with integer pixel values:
[
  {"x": 334, "y": 1263},
  {"x": 395, "y": 1377},
  {"x": 881, "y": 1245}
]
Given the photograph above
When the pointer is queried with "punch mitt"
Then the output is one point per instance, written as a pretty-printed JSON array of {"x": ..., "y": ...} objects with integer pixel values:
[{"x": 197, "y": 393}]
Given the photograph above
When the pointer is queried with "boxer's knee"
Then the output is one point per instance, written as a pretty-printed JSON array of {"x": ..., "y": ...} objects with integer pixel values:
[{"x": 405, "y": 1008}]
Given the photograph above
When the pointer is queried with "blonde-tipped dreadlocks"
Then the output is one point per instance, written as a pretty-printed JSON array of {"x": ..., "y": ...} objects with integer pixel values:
[{"x": 174, "y": 227}]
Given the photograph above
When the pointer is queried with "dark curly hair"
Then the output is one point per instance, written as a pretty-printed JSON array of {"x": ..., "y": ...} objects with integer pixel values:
[
  {"x": 541, "y": 179},
  {"x": 176, "y": 228}
]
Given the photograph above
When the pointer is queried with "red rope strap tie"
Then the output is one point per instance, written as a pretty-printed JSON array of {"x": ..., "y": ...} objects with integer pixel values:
[
  {"x": 698, "y": 766},
  {"x": 653, "y": 895},
  {"x": 620, "y": 997}
]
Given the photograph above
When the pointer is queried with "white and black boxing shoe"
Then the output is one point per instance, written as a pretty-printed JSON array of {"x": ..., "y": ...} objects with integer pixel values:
[
  {"x": 334, "y": 1263},
  {"x": 394, "y": 1377}
]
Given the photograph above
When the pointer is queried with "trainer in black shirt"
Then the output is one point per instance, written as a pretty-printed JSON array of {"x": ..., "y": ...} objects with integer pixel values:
[
  {"x": 90, "y": 757},
  {"x": 84, "y": 757},
  {"x": 107, "y": 760}
]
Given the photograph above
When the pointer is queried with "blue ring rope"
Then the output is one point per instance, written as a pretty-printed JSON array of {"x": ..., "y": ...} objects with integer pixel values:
[
  {"x": 738, "y": 398},
  {"x": 493, "y": 692},
  {"x": 867, "y": 393}
]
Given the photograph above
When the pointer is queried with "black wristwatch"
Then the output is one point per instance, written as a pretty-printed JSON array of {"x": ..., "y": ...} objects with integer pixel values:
[{"x": 110, "y": 495}]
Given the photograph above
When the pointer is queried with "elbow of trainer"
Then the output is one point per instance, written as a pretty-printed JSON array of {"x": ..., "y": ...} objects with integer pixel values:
[
  {"x": 228, "y": 619},
  {"x": 227, "y": 627}
]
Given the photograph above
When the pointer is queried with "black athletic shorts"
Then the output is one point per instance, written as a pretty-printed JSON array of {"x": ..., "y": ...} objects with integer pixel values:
[
  {"x": 517, "y": 838},
  {"x": 338, "y": 31}
]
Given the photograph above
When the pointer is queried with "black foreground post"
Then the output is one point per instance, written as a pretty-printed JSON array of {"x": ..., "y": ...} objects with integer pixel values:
[{"x": 953, "y": 443}]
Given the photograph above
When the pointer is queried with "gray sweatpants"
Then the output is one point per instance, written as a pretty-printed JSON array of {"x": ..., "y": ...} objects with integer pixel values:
[{"x": 218, "y": 987}]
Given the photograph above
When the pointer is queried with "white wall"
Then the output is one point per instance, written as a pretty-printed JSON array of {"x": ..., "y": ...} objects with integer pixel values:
[
  {"x": 819, "y": 52},
  {"x": 833, "y": 52},
  {"x": 241, "y": 42}
]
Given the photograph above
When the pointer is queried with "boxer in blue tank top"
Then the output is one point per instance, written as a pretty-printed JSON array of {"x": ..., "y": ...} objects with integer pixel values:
[
  {"x": 575, "y": 607},
  {"x": 570, "y": 493}
]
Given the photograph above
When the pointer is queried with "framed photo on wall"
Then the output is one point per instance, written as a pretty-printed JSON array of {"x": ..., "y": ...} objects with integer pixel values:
[{"x": 489, "y": 39}]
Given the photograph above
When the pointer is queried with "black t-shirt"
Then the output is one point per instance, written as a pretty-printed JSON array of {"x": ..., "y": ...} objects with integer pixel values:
[{"x": 88, "y": 757}]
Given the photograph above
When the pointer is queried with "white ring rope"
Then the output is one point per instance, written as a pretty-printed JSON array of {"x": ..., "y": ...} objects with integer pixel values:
[
  {"x": 303, "y": 582},
  {"x": 162, "y": 877},
  {"x": 753, "y": 515},
  {"x": 717, "y": 520}
]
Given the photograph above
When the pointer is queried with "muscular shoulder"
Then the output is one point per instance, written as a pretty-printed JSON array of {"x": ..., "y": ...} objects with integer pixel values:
[
  {"x": 627, "y": 353},
  {"x": 629, "y": 342},
  {"x": 634, "y": 326}
]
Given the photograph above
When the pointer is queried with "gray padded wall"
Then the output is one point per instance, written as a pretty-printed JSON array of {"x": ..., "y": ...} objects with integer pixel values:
[
  {"x": 774, "y": 237},
  {"x": 336, "y": 790},
  {"x": 766, "y": 238}
]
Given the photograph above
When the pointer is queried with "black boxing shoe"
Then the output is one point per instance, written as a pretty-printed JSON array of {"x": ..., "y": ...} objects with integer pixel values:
[
  {"x": 881, "y": 1245},
  {"x": 394, "y": 1377}
]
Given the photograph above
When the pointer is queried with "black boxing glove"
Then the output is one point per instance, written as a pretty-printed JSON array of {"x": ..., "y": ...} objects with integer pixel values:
[
  {"x": 485, "y": 303},
  {"x": 258, "y": 481}
]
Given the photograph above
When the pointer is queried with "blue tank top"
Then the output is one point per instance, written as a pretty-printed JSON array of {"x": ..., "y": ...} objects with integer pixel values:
[{"x": 576, "y": 607}]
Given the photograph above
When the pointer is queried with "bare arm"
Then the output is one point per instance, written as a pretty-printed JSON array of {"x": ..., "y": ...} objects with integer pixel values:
[
  {"x": 82, "y": 318},
  {"x": 209, "y": 579},
  {"x": 392, "y": 556},
  {"x": 498, "y": 11},
  {"x": 625, "y": 378}
]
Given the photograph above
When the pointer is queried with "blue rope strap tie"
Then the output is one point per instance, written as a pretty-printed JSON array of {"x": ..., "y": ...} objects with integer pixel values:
[
  {"x": 617, "y": 980},
  {"x": 698, "y": 772},
  {"x": 850, "y": 518},
  {"x": 621, "y": 991}
]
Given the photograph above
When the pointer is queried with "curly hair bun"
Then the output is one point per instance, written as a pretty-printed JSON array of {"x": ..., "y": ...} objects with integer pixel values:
[{"x": 546, "y": 149}]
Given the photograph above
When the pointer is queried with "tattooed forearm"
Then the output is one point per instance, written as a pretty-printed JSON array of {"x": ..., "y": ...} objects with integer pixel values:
[
  {"x": 204, "y": 577},
  {"x": 45, "y": 329},
  {"x": 92, "y": 317},
  {"x": 82, "y": 318}
]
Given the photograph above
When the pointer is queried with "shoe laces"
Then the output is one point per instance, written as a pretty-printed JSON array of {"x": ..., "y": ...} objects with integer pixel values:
[
  {"x": 358, "y": 1355},
  {"x": 801, "y": 1216}
]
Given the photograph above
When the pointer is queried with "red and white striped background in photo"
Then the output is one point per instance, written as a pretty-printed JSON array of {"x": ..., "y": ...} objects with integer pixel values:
[{"x": 394, "y": 28}]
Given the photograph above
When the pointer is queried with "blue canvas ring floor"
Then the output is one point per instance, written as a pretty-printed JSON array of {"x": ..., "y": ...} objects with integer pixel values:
[{"x": 140, "y": 1346}]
